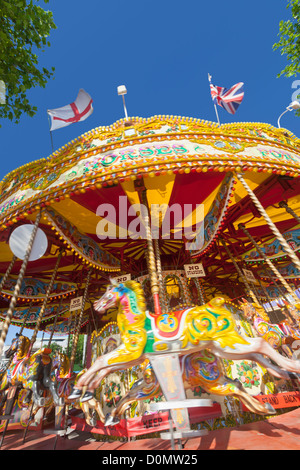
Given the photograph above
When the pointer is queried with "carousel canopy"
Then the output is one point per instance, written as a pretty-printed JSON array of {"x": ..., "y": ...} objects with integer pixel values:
[{"x": 91, "y": 193}]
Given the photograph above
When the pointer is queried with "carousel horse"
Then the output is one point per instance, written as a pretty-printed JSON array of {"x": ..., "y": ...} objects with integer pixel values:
[
  {"x": 199, "y": 369},
  {"x": 278, "y": 336},
  {"x": 270, "y": 332},
  {"x": 210, "y": 326},
  {"x": 65, "y": 382},
  {"x": 31, "y": 372}
]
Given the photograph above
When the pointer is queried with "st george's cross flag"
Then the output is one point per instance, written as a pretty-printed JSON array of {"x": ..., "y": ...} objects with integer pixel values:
[
  {"x": 229, "y": 99},
  {"x": 77, "y": 111}
]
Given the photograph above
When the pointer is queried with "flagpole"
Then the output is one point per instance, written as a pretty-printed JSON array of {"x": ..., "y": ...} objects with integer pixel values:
[
  {"x": 123, "y": 91},
  {"x": 50, "y": 132},
  {"x": 209, "y": 79}
]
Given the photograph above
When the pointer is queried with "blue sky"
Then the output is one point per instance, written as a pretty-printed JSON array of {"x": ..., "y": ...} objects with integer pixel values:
[{"x": 162, "y": 51}]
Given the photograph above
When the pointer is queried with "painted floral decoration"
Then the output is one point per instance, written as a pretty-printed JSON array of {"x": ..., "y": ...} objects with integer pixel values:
[
  {"x": 248, "y": 375},
  {"x": 112, "y": 394}
]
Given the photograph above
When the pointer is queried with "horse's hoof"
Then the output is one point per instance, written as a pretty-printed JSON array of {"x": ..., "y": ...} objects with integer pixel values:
[
  {"x": 75, "y": 395},
  {"x": 27, "y": 397},
  {"x": 41, "y": 402},
  {"x": 92, "y": 422},
  {"x": 270, "y": 408},
  {"x": 110, "y": 420},
  {"x": 87, "y": 397}
]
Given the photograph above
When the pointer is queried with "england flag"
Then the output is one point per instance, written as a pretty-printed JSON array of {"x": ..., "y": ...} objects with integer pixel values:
[{"x": 77, "y": 111}]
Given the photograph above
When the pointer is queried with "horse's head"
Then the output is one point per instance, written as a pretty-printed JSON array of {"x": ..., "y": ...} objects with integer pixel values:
[
  {"x": 61, "y": 362},
  {"x": 19, "y": 346},
  {"x": 217, "y": 302},
  {"x": 110, "y": 298},
  {"x": 13, "y": 348}
]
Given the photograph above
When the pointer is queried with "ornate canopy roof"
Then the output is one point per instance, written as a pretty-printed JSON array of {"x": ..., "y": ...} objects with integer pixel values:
[{"x": 85, "y": 189}]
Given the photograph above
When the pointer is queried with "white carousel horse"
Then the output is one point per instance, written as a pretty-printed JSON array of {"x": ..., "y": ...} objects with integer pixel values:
[
  {"x": 199, "y": 369},
  {"x": 210, "y": 326}
]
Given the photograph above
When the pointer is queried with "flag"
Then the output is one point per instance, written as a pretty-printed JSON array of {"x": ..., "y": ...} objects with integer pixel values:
[
  {"x": 75, "y": 112},
  {"x": 228, "y": 99}
]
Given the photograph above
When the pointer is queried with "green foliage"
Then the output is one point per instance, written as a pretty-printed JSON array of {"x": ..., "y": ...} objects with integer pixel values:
[
  {"x": 289, "y": 42},
  {"x": 79, "y": 352},
  {"x": 55, "y": 347},
  {"x": 24, "y": 29}
]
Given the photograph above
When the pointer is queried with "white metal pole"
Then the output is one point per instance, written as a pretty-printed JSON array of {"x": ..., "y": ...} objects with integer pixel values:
[{"x": 209, "y": 79}]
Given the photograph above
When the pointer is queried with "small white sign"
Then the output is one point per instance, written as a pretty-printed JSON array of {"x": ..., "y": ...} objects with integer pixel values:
[
  {"x": 75, "y": 304},
  {"x": 194, "y": 270},
  {"x": 123, "y": 278},
  {"x": 249, "y": 275}
]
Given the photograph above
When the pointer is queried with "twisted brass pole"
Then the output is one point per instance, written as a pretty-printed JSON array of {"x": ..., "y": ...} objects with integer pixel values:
[
  {"x": 15, "y": 295},
  {"x": 289, "y": 210},
  {"x": 43, "y": 307},
  {"x": 162, "y": 293},
  {"x": 4, "y": 279},
  {"x": 272, "y": 226},
  {"x": 269, "y": 262},
  {"x": 76, "y": 336},
  {"x": 151, "y": 256},
  {"x": 248, "y": 288},
  {"x": 25, "y": 318},
  {"x": 55, "y": 320}
]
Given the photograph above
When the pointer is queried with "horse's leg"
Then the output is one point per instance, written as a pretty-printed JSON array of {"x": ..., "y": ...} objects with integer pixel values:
[
  {"x": 4, "y": 382},
  {"x": 263, "y": 347},
  {"x": 51, "y": 386},
  {"x": 38, "y": 400},
  {"x": 86, "y": 410},
  {"x": 225, "y": 386},
  {"x": 271, "y": 368},
  {"x": 139, "y": 391},
  {"x": 86, "y": 378},
  {"x": 96, "y": 407},
  {"x": 92, "y": 378},
  {"x": 256, "y": 348}
]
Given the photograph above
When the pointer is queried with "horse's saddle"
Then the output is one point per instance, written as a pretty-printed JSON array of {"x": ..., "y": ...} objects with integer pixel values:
[
  {"x": 164, "y": 330},
  {"x": 168, "y": 325}
]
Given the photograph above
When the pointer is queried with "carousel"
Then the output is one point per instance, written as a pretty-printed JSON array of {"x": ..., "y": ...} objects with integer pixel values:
[{"x": 172, "y": 244}]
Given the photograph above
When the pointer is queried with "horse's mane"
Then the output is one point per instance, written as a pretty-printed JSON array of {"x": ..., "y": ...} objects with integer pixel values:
[
  {"x": 23, "y": 346},
  {"x": 138, "y": 290},
  {"x": 64, "y": 364}
]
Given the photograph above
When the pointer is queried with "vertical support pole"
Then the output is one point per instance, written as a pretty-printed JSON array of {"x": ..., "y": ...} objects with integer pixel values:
[
  {"x": 55, "y": 320},
  {"x": 160, "y": 277},
  {"x": 151, "y": 256},
  {"x": 266, "y": 294},
  {"x": 248, "y": 288},
  {"x": 14, "y": 298},
  {"x": 43, "y": 307},
  {"x": 269, "y": 262},
  {"x": 75, "y": 340},
  {"x": 289, "y": 210},
  {"x": 25, "y": 318},
  {"x": 272, "y": 226},
  {"x": 5, "y": 277}
]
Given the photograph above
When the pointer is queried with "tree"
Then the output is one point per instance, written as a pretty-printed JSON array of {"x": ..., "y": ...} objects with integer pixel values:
[
  {"x": 24, "y": 29},
  {"x": 289, "y": 42},
  {"x": 55, "y": 347},
  {"x": 79, "y": 359}
]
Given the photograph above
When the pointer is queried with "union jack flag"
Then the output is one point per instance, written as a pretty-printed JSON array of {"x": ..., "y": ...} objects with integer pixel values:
[{"x": 229, "y": 99}]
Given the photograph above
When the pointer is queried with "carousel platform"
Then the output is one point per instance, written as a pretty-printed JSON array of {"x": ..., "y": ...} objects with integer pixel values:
[{"x": 277, "y": 433}]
